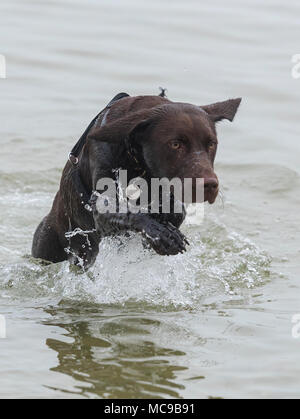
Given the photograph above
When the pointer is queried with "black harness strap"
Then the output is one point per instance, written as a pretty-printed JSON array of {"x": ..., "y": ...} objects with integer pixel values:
[
  {"x": 76, "y": 150},
  {"x": 84, "y": 196}
]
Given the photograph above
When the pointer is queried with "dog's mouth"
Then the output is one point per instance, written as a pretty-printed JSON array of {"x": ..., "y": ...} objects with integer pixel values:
[
  {"x": 207, "y": 196},
  {"x": 211, "y": 189},
  {"x": 210, "y": 197}
]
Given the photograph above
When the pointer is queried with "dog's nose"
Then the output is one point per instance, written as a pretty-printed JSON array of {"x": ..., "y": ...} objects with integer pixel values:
[{"x": 211, "y": 184}]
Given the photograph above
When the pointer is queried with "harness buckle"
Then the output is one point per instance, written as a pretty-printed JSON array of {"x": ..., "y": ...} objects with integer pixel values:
[{"x": 73, "y": 159}]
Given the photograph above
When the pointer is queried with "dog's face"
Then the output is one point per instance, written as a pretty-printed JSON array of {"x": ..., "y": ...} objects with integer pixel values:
[{"x": 180, "y": 141}]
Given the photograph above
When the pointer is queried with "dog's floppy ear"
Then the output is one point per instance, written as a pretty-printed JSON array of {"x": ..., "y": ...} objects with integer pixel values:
[
  {"x": 139, "y": 130},
  {"x": 136, "y": 135},
  {"x": 222, "y": 110},
  {"x": 125, "y": 127}
]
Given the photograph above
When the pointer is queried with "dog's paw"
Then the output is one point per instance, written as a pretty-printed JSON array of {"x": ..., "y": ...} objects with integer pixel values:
[{"x": 165, "y": 239}]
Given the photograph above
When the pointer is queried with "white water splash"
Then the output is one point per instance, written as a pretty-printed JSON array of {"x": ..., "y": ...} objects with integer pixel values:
[{"x": 217, "y": 261}]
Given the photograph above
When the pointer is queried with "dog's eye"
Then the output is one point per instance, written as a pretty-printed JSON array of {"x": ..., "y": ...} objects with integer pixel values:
[
  {"x": 212, "y": 145},
  {"x": 175, "y": 145}
]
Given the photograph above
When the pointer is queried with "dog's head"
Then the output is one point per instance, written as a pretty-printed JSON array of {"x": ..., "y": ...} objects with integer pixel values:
[{"x": 179, "y": 140}]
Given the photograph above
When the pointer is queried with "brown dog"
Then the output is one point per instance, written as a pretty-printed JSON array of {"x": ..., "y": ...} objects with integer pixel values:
[{"x": 150, "y": 137}]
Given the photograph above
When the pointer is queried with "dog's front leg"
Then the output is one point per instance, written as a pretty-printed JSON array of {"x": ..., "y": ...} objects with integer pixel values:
[
  {"x": 83, "y": 247},
  {"x": 164, "y": 238}
]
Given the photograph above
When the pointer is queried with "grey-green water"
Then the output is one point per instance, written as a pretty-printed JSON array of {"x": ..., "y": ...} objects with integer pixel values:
[{"x": 216, "y": 321}]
